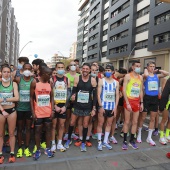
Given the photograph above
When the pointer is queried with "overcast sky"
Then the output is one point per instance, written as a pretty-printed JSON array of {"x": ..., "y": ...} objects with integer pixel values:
[{"x": 50, "y": 24}]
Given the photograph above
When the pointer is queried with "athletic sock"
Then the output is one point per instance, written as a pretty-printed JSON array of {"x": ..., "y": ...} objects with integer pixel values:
[
  {"x": 70, "y": 130},
  {"x": 139, "y": 132},
  {"x": 106, "y": 135},
  {"x": 167, "y": 132},
  {"x": 53, "y": 142},
  {"x": 81, "y": 137},
  {"x": 85, "y": 130},
  {"x": 59, "y": 142},
  {"x": 99, "y": 136},
  {"x": 161, "y": 134},
  {"x": 150, "y": 133},
  {"x": 132, "y": 137},
  {"x": 88, "y": 138},
  {"x": 125, "y": 137},
  {"x": 156, "y": 129}
]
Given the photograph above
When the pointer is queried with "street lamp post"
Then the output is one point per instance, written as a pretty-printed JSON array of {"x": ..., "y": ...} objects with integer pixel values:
[
  {"x": 127, "y": 64},
  {"x": 24, "y": 47}
]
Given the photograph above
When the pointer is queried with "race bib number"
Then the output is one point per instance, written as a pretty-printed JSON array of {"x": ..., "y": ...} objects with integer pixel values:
[
  {"x": 109, "y": 97},
  {"x": 24, "y": 95},
  {"x": 6, "y": 96},
  {"x": 152, "y": 85},
  {"x": 60, "y": 95},
  {"x": 83, "y": 97},
  {"x": 43, "y": 100},
  {"x": 135, "y": 92}
]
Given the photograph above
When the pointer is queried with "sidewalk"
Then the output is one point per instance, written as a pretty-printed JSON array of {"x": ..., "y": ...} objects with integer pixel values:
[{"x": 145, "y": 158}]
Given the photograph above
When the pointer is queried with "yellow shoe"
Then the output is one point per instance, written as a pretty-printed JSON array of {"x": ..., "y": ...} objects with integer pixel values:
[
  {"x": 43, "y": 145},
  {"x": 20, "y": 153},
  {"x": 27, "y": 152},
  {"x": 35, "y": 149}
]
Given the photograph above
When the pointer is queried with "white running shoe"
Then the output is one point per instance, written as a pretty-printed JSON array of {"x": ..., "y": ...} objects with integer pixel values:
[
  {"x": 162, "y": 141},
  {"x": 167, "y": 139},
  {"x": 113, "y": 140},
  {"x": 53, "y": 148},
  {"x": 151, "y": 142},
  {"x": 65, "y": 137},
  {"x": 73, "y": 136},
  {"x": 61, "y": 147}
]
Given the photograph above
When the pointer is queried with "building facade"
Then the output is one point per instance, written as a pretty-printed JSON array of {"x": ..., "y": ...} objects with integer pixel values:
[
  {"x": 9, "y": 34},
  {"x": 118, "y": 31},
  {"x": 73, "y": 51}
]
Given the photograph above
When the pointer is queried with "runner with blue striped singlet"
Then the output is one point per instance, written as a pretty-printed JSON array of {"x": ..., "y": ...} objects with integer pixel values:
[{"x": 108, "y": 98}]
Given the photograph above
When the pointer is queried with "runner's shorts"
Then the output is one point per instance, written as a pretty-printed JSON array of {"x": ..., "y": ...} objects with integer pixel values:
[
  {"x": 135, "y": 105},
  {"x": 151, "y": 103}
]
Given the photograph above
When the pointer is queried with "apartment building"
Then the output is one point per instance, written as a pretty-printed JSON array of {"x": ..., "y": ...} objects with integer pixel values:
[{"x": 113, "y": 31}]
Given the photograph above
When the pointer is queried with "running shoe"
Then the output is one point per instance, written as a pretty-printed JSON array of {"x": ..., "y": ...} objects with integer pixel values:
[
  {"x": 139, "y": 140},
  {"x": 35, "y": 149},
  {"x": 20, "y": 153},
  {"x": 78, "y": 143},
  {"x": 83, "y": 147},
  {"x": 65, "y": 137},
  {"x": 48, "y": 153},
  {"x": 167, "y": 139},
  {"x": 73, "y": 136},
  {"x": 155, "y": 133},
  {"x": 1, "y": 159},
  {"x": 53, "y": 148},
  {"x": 67, "y": 144},
  {"x": 133, "y": 145},
  {"x": 124, "y": 146},
  {"x": 61, "y": 147},
  {"x": 37, "y": 155},
  {"x": 11, "y": 158},
  {"x": 146, "y": 129},
  {"x": 113, "y": 140},
  {"x": 135, "y": 136},
  {"x": 162, "y": 141},
  {"x": 168, "y": 155},
  {"x": 27, "y": 152},
  {"x": 77, "y": 131},
  {"x": 95, "y": 136},
  {"x": 43, "y": 145},
  {"x": 99, "y": 147},
  {"x": 88, "y": 143},
  {"x": 120, "y": 125},
  {"x": 121, "y": 134},
  {"x": 107, "y": 145},
  {"x": 151, "y": 142}
]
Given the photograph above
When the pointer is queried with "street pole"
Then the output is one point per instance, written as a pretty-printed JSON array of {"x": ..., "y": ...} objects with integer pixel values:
[
  {"x": 24, "y": 47},
  {"x": 127, "y": 64}
]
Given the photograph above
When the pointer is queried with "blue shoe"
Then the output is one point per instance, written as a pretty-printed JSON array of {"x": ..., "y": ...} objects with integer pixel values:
[
  {"x": 99, "y": 147},
  {"x": 125, "y": 146},
  {"x": 95, "y": 136},
  {"x": 133, "y": 145},
  {"x": 107, "y": 146},
  {"x": 37, "y": 155},
  {"x": 67, "y": 144},
  {"x": 83, "y": 147},
  {"x": 48, "y": 153}
]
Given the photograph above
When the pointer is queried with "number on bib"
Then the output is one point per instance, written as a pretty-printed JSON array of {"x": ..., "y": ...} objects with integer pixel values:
[
  {"x": 6, "y": 96},
  {"x": 83, "y": 97},
  {"x": 43, "y": 100},
  {"x": 152, "y": 85},
  {"x": 24, "y": 95},
  {"x": 109, "y": 97},
  {"x": 134, "y": 92}
]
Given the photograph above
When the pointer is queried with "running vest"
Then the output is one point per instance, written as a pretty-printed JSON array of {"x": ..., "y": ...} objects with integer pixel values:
[
  {"x": 18, "y": 74},
  {"x": 6, "y": 92},
  {"x": 168, "y": 103},
  {"x": 42, "y": 103},
  {"x": 133, "y": 87},
  {"x": 151, "y": 85},
  {"x": 60, "y": 89},
  {"x": 108, "y": 95},
  {"x": 24, "y": 95},
  {"x": 71, "y": 78},
  {"x": 84, "y": 95}
]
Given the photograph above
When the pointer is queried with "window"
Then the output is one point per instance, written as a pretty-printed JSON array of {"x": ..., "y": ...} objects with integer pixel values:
[
  {"x": 120, "y": 22},
  {"x": 162, "y": 18},
  {"x": 94, "y": 27},
  {"x": 142, "y": 44},
  {"x": 104, "y": 43},
  {"x": 106, "y": 10},
  {"x": 142, "y": 28},
  {"x": 90, "y": 57},
  {"x": 143, "y": 12},
  {"x": 158, "y": 2},
  {"x": 93, "y": 1},
  {"x": 114, "y": 1},
  {"x": 119, "y": 36},
  {"x": 119, "y": 49},
  {"x": 93, "y": 37},
  {"x": 104, "y": 54},
  {"x": 165, "y": 37},
  {"x": 92, "y": 47},
  {"x": 95, "y": 17},
  {"x": 105, "y": 21},
  {"x": 95, "y": 8},
  {"x": 105, "y": 32}
]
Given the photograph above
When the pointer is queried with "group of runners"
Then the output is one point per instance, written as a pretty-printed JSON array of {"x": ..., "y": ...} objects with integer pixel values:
[{"x": 91, "y": 100}]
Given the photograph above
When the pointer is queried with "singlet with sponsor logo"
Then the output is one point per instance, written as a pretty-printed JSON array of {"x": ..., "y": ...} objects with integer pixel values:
[
  {"x": 108, "y": 95},
  {"x": 84, "y": 95},
  {"x": 6, "y": 92},
  {"x": 60, "y": 89},
  {"x": 152, "y": 85},
  {"x": 24, "y": 95},
  {"x": 133, "y": 87},
  {"x": 42, "y": 102}
]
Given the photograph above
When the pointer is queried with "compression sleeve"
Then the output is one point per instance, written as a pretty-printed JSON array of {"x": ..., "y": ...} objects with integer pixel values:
[
  {"x": 68, "y": 97},
  {"x": 74, "y": 90},
  {"x": 165, "y": 96},
  {"x": 94, "y": 96}
]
